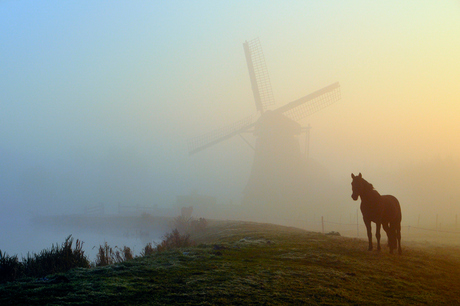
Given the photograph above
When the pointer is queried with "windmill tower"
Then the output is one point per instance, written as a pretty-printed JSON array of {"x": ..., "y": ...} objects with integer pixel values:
[{"x": 278, "y": 174}]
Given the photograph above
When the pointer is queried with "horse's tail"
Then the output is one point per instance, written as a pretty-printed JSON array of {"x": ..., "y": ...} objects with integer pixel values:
[{"x": 398, "y": 208}]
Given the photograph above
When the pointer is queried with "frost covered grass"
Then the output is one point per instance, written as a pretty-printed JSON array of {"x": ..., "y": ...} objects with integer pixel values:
[{"x": 249, "y": 264}]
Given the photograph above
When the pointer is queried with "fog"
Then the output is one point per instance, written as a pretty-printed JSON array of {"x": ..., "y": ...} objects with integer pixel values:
[{"x": 98, "y": 101}]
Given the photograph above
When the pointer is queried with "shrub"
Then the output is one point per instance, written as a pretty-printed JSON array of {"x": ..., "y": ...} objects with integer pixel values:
[
  {"x": 199, "y": 225},
  {"x": 332, "y": 233},
  {"x": 10, "y": 267},
  {"x": 174, "y": 240},
  {"x": 170, "y": 241}
]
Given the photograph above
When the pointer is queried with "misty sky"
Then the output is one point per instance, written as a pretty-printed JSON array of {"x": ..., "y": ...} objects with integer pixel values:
[{"x": 99, "y": 98}]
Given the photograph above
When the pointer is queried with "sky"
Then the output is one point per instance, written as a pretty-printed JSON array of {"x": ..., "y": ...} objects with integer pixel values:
[{"x": 99, "y": 98}]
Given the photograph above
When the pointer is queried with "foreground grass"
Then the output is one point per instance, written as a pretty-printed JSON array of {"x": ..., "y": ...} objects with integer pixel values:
[{"x": 248, "y": 263}]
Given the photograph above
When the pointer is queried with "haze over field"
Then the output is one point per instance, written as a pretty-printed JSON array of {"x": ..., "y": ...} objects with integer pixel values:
[{"x": 98, "y": 100}]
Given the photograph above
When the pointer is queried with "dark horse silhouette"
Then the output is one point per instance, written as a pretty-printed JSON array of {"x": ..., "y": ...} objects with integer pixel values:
[{"x": 381, "y": 209}]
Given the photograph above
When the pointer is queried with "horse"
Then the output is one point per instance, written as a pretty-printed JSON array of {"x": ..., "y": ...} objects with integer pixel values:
[{"x": 381, "y": 209}]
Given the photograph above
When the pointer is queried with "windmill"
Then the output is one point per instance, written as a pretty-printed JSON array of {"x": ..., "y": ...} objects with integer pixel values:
[{"x": 278, "y": 171}]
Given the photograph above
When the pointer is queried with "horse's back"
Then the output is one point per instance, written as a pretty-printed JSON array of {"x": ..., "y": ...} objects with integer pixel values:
[{"x": 392, "y": 209}]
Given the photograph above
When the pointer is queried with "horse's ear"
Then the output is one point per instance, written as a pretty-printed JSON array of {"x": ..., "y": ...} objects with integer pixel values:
[
  {"x": 352, "y": 176},
  {"x": 360, "y": 175}
]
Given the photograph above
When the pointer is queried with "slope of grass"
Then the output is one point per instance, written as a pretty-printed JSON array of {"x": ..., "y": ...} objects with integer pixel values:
[{"x": 249, "y": 263}]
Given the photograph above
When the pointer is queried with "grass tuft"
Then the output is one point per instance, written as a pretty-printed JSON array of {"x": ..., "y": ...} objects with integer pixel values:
[
  {"x": 105, "y": 256},
  {"x": 108, "y": 256},
  {"x": 149, "y": 249},
  {"x": 57, "y": 259}
]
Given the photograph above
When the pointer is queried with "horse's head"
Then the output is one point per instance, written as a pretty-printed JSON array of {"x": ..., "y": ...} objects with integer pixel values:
[{"x": 356, "y": 185}]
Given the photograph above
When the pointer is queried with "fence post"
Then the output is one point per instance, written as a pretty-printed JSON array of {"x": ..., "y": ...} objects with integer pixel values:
[{"x": 322, "y": 223}]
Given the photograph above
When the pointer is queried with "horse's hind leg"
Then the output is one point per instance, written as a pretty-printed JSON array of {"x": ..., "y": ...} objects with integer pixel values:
[
  {"x": 392, "y": 242},
  {"x": 377, "y": 235},
  {"x": 398, "y": 237},
  {"x": 390, "y": 236}
]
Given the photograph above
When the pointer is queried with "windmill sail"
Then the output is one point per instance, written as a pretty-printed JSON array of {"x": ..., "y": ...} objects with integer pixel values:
[
  {"x": 204, "y": 141},
  {"x": 317, "y": 100},
  {"x": 258, "y": 73}
]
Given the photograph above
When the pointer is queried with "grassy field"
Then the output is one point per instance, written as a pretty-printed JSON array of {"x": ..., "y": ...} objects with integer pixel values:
[{"x": 243, "y": 263}]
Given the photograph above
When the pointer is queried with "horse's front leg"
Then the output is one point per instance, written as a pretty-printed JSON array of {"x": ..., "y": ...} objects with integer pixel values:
[
  {"x": 377, "y": 235},
  {"x": 369, "y": 233}
]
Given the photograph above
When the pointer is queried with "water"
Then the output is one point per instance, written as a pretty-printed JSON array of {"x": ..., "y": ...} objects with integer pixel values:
[{"x": 19, "y": 237}]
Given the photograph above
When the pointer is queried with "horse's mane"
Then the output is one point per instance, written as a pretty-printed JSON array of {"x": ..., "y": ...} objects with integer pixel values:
[{"x": 369, "y": 187}]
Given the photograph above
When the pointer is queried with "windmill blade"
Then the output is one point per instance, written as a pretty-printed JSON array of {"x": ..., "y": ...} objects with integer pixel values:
[
  {"x": 204, "y": 141},
  {"x": 318, "y": 100},
  {"x": 258, "y": 73}
]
